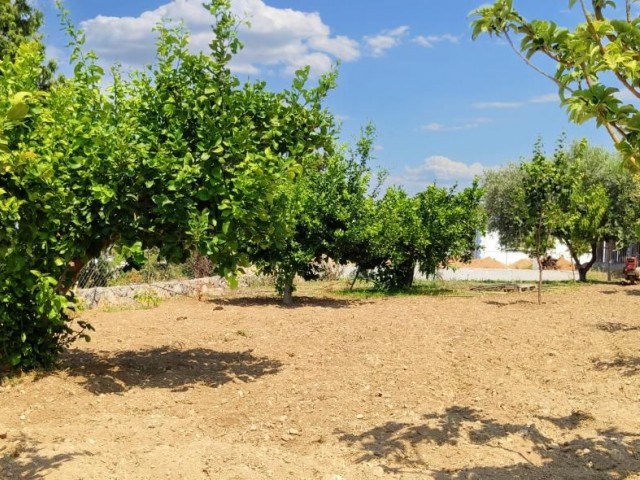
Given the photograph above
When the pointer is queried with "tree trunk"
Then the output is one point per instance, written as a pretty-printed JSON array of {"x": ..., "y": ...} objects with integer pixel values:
[
  {"x": 287, "y": 293},
  {"x": 582, "y": 273},
  {"x": 539, "y": 279},
  {"x": 407, "y": 275},
  {"x": 539, "y": 257},
  {"x": 583, "y": 268},
  {"x": 70, "y": 276},
  {"x": 355, "y": 277},
  {"x": 609, "y": 252}
]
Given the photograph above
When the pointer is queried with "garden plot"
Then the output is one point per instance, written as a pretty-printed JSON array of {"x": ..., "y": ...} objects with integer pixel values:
[{"x": 475, "y": 387}]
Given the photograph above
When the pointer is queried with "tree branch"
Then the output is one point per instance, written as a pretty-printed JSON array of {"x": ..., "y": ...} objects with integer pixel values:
[
  {"x": 528, "y": 62},
  {"x": 608, "y": 126},
  {"x": 612, "y": 38}
]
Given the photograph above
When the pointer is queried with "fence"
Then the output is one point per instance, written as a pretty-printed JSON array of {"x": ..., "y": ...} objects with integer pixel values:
[{"x": 112, "y": 270}]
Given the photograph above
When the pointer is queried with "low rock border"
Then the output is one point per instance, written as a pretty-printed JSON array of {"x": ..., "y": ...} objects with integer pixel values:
[{"x": 140, "y": 294}]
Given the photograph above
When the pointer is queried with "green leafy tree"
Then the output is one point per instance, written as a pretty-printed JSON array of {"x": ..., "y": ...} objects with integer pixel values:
[
  {"x": 422, "y": 232},
  {"x": 541, "y": 212},
  {"x": 596, "y": 62},
  {"x": 595, "y": 200},
  {"x": 322, "y": 206},
  {"x": 180, "y": 157},
  {"x": 19, "y": 23}
]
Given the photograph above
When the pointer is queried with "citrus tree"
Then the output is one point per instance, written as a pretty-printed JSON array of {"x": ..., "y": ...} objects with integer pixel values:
[
  {"x": 406, "y": 234},
  {"x": 180, "y": 156},
  {"x": 323, "y": 206}
]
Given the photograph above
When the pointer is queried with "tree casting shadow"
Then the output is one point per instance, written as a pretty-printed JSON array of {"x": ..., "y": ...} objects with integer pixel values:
[
  {"x": 23, "y": 460},
  {"x": 163, "y": 367},
  {"x": 298, "y": 301},
  {"x": 400, "y": 447}
]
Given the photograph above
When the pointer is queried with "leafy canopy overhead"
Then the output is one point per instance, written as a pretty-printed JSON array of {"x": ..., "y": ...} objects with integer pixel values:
[{"x": 597, "y": 64}]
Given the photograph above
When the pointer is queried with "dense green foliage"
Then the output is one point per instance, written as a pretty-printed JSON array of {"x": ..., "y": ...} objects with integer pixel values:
[
  {"x": 589, "y": 199},
  {"x": 179, "y": 157},
  {"x": 597, "y": 62},
  {"x": 322, "y": 206},
  {"x": 184, "y": 159},
  {"x": 19, "y": 23},
  {"x": 422, "y": 232}
]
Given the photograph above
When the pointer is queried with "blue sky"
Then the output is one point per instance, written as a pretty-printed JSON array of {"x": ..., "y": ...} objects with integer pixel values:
[{"x": 445, "y": 107}]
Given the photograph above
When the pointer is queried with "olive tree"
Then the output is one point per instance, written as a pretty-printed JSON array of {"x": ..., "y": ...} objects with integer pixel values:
[{"x": 592, "y": 200}]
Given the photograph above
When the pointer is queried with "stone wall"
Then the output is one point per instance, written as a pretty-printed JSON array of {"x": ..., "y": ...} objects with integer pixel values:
[{"x": 137, "y": 294}]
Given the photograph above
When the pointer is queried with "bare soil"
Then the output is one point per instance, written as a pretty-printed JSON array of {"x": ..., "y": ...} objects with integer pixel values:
[{"x": 491, "y": 386}]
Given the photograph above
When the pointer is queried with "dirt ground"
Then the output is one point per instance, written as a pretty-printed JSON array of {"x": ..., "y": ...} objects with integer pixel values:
[{"x": 483, "y": 387}]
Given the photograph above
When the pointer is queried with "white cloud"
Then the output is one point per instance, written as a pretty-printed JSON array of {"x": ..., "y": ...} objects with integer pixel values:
[
  {"x": 386, "y": 40},
  {"x": 443, "y": 168},
  {"x": 470, "y": 124},
  {"x": 436, "y": 169},
  {"x": 280, "y": 38},
  {"x": 499, "y": 105},
  {"x": 546, "y": 98},
  {"x": 56, "y": 53},
  {"x": 429, "y": 41}
]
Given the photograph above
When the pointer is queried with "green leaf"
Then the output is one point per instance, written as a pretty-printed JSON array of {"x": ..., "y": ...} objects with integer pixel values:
[{"x": 17, "y": 112}]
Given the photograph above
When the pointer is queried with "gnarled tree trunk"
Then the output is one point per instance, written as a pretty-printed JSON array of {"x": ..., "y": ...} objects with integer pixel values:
[{"x": 583, "y": 268}]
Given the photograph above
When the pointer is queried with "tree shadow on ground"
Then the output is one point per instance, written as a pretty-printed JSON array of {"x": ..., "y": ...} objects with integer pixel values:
[
  {"x": 298, "y": 301},
  {"x": 626, "y": 365},
  {"x": 569, "y": 422},
  {"x": 405, "y": 448},
  {"x": 635, "y": 292},
  {"x": 495, "y": 303},
  {"x": 163, "y": 367},
  {"x": 22, "y": 459},
  {"x": 613, "y": 327}
]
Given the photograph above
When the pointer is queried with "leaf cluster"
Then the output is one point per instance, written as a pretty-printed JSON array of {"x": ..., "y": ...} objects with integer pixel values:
[
  {"x": 597, "y": 64},
  {"x": 423, "y": 232}
]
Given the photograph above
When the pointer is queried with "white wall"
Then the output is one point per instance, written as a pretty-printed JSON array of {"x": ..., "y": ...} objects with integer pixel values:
[{"x": 491, "y": 247}]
